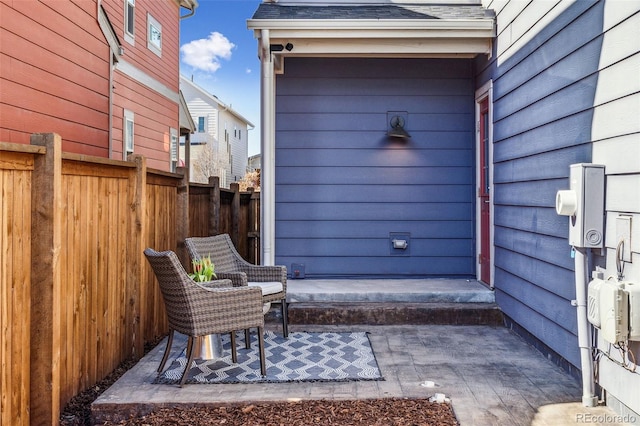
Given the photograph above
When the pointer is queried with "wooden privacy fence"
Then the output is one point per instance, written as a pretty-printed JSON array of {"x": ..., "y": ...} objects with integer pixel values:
[{"x": 76, "y": 294}]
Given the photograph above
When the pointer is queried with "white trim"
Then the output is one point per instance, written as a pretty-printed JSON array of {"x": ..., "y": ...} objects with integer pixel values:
[
  {"x": 128, "y": 140},
  {"x": 173, "y": 145},
  {"x": 129, "y": 37},
  {"x": 142, "y": 77},
  {"x": 155, "y": 47},
  {"x": 267, "y": 178},
  {"x": 109, "y": 34},
  {"x": 407, "y": 38},
  {"x": 485, "y": 92},
  {"x": 397, "y": 47}
]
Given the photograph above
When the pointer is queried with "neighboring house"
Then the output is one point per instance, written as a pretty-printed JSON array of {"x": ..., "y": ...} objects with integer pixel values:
[
  {"x": 254, "y": 163},
  {"x": 107, "y": 83},
  {"x": 498, "y": 99},
  {"x": 219, "y": 144}
]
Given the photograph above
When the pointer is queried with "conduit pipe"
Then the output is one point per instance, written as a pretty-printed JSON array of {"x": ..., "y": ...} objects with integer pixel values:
[{"x": 584, "y": 330}]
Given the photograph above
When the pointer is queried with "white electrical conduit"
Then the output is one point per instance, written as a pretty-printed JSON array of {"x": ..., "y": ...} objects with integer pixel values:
[{"x": 584, "y": 331}]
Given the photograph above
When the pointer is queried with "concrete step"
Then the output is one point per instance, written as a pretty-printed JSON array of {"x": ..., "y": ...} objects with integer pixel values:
[
  {"x": 393, "y": 313},
  {"x": 389, "y": 290},
  {"x": 389, "y": 302}
]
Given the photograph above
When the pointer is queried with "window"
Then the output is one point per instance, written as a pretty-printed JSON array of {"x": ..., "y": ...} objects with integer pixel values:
[
  {"x": 154, "y": 35},
  {"x": 174, "y": 144},
  {"x": 128, "y": 133},
  {"x": 129, "y": 20},
  {"x": 200, "y": 124},
  {"x": 173, "y": 148}
]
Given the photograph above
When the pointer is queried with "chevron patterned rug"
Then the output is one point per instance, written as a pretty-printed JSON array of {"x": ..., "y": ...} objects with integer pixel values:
[{"x": 302, "y": 357}]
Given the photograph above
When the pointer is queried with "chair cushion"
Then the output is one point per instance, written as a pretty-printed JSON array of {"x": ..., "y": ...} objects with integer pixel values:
[{"x": 268, "y": 287}]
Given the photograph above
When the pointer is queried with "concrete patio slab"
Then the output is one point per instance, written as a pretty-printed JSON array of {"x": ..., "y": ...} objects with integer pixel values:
[{"x": 490, "y": 374}]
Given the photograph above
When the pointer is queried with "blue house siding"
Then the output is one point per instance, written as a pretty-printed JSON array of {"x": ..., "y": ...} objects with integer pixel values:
[
  {"x": 543, "y": 96},
  {"x": 342, "y": 186}
]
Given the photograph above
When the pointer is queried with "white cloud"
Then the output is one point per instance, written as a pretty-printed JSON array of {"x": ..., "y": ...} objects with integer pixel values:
[
  {"x": 248, "y": 70},
  {"x": 205, "y": 53}
]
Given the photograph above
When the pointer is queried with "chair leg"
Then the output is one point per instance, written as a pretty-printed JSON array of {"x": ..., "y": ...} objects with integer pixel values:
[
  {"x": 247, "y": 338},
  {"x": 263, "y": 366},
  {"x": 285, "y": 320},
  {"x": 190, "y": 354},
  {"x": 234, "y": 353},
  {"x": 167, "y": 349}
]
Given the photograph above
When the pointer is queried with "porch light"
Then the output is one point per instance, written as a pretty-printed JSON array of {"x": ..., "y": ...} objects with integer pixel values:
[{"x": 397, "y": 128}]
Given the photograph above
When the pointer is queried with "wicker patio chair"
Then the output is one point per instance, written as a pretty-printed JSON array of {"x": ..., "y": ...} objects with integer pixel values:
[
  {"x": 200, "y": 309},
  {"x": 229, "y": 264}
]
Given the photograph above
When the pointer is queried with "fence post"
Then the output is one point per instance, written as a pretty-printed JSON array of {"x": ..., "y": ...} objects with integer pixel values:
[
  {"x": 46, "y": 221},
  {"x": 235, "y": 214},
  {"x": 214, "y": 205},
  {"x": 253, "y": 231},
  {"x": 182, "y": 216},
  {"x": 138, "y": 232}
]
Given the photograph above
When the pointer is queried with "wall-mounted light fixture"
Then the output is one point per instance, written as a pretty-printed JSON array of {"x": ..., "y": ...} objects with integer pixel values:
[
  {"x": 397, "y": 130},
  {"x": 280, "y": 48}
]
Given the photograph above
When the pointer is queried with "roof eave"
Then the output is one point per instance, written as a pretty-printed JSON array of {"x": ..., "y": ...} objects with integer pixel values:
[
  {"x": 328, "y": 24},
  {"x": 381, "y": 38}
]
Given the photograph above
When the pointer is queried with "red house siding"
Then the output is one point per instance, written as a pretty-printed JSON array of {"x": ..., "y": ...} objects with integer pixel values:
[
  {"x": 55, "y": 72},
  {"x": 154, "y": 113},
  {"x": 55, "y": 68}
]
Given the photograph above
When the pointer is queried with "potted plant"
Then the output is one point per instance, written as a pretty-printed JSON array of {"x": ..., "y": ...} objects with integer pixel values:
[{"x": 203, "y": 269}]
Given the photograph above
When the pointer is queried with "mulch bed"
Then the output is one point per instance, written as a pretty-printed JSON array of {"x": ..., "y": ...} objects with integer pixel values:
[{"x": 376, "y": 412}]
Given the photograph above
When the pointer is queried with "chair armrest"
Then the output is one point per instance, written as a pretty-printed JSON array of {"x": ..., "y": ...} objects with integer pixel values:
[
  {"x": 238, "y": 279},
  {"x": 257, "y": 273},
  {"x": 219, "y": 283}
]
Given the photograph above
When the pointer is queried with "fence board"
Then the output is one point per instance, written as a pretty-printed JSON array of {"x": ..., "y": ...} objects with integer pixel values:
[
  {"x": 15, "y": 286},
  {"x": 93, "y": 218}
]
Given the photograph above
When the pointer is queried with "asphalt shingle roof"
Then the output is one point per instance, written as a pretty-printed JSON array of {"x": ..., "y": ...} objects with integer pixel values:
[{"x": 386, "y": 11}]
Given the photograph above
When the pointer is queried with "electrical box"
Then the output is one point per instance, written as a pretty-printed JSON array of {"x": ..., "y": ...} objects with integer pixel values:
[
  {"x": 614, "y": 307},
  {"x": 633, "y": 291},
  {"x": 614, "y": 312},
  {"x": 593, "y": 301},
  {"x": 297, "y": 271},
  {"x": 583, "y": 202}
]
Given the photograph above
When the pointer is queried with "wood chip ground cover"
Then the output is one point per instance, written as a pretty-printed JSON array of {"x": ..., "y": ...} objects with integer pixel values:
[{"x": 376, "y": 412}]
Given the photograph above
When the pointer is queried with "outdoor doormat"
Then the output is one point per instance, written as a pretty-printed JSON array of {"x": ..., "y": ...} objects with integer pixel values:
[{"x": 302, "y": 357}]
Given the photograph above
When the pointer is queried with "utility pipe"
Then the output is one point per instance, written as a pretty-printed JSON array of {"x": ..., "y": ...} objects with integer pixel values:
[{"x": 584, "y": 330}]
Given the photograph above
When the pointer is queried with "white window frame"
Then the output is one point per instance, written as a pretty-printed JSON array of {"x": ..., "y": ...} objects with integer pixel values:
[
  {"x": 128, "y": 133},
  {"x": 130, "y": 16},
  {"x": 154, "y": 28},
  {"x": 202, "y": 129},
  {"x": 173, "y": 148}
]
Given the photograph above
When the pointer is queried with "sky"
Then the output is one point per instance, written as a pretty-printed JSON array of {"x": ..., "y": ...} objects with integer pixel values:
[{"x": 221, "y": 55}]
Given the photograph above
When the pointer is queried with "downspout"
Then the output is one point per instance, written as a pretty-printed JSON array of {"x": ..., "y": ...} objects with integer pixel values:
[
  {"x": 584, "y": 331},
  {"x": 111, "y": 67},
  {"x": 267, "y": 147}
]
